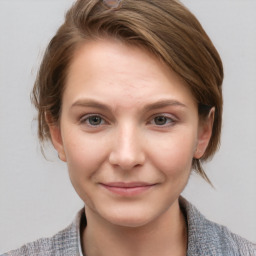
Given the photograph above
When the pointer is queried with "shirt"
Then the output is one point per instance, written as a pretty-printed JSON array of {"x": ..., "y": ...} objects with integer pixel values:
[{"x": 205, "y": 238}]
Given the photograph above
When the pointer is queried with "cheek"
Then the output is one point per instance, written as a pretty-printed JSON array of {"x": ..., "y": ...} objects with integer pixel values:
[
  {"x": 173, "y": 153},
  {"x": 84, "y": 154},
  {"x": 85, "y": 157}
]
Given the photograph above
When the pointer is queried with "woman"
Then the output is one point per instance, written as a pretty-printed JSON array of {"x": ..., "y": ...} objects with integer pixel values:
[{"x": 129, "y": 93}]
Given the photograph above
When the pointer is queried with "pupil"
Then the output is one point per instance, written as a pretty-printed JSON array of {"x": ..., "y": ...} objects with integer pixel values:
[
  {"x": 160, "y": 120},
  {"x": 95, "y": 120}
]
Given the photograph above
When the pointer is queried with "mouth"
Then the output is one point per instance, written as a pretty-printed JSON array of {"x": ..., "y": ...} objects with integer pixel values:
[{"x": 127, "y": 189}]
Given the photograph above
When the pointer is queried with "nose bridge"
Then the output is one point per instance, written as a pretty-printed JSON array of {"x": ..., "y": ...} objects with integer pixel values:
[{"x": 127, "y": 151}]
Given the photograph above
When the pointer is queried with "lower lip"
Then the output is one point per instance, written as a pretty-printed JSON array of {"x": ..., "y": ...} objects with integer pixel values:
[{"x": 131, "y": 191}]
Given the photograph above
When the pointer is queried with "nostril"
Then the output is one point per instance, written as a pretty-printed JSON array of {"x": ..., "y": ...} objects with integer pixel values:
[{"x": 126, "y": 162}]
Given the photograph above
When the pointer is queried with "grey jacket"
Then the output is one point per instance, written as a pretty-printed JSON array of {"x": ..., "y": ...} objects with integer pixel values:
[{"x": 205, "y": 238}]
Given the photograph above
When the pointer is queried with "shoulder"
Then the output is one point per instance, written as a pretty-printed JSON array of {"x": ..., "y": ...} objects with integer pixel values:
[
  {"x": 209, "y": 238},
  {"x": 65, "y": 242},
  {"x": 244, "y": 247},
  {"x": 60, "y": 244},
  {"x": 222, "y": 241}
]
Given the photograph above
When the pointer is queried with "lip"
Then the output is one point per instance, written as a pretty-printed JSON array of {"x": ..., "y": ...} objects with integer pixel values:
[{"x": 127, "y": 189}]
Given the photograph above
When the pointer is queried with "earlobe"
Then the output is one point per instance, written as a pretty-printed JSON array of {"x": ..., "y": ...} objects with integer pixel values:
[
  {"x": 204, "y": 134},
  {"x": 56, "y": 138}
]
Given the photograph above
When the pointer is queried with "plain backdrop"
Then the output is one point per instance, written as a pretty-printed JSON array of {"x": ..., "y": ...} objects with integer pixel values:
[{"x": 36, "y": 197}]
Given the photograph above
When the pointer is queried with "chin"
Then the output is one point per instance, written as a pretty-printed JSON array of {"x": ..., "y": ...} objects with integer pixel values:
[
  {"x": 129, "y": 221},
  {"x": 131, "y": 217}
]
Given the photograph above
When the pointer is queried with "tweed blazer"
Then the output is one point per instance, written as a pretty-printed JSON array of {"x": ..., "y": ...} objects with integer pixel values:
[{"x": 205, "y": 238}]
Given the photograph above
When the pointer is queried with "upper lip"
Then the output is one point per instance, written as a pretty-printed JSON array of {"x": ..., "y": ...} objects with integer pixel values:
[{"x": 127, "y": 184}]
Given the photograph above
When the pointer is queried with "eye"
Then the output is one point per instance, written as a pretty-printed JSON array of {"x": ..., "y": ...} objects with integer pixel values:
[
  {"x": 162, "y": 120},
  {"x": 93, "y": 120}
]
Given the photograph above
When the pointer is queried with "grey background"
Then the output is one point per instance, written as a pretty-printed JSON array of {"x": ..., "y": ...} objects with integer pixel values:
[{"x": 36, "y": 197}]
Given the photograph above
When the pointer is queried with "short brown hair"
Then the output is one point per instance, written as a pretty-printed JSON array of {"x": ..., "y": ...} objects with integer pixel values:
[{"x": 164, "y": 27}]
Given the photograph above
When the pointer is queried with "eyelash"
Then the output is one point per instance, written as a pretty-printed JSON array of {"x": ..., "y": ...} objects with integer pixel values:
[
  {"x": 86, "y": 119},
  {"x": 169, "y": 120}
]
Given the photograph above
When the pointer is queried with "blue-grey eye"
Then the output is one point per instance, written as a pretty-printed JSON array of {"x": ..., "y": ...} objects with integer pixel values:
[
  {"x": 94, "y": 120},
  {"x": 161, "y": 120}
]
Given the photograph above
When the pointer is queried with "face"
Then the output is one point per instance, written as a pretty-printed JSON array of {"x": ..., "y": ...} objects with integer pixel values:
[{"x": 129, "y": 129}]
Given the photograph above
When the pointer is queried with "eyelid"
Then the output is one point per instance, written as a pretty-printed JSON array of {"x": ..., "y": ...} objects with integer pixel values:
[
  {"x": 85, "y": 118},
  {"x": 168, "y": 116}
]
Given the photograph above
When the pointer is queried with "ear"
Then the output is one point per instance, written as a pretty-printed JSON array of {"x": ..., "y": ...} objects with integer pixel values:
[
  {"x": 204, "y": 134},
  {"x": 56, "y": 138}
]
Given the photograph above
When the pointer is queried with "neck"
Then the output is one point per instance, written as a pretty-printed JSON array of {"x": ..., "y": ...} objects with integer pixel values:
[{"x": 166, "y": 235}]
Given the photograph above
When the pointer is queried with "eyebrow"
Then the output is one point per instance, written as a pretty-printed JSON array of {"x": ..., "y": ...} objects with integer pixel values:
[
  {"x": 156, "y": 105},
  {"x": 162, "y": 104},
  {"x": 90, "y": 103}
]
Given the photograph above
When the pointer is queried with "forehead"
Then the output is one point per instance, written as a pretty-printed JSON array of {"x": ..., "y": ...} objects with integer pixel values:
[{"x": 112, "y": 70}]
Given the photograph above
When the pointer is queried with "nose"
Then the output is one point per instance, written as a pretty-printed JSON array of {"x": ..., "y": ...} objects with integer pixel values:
[{"x": 127, "y": 151}]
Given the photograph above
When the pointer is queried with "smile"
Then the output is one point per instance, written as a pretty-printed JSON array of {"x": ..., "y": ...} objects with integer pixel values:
[{"x": 127, "y": 189}]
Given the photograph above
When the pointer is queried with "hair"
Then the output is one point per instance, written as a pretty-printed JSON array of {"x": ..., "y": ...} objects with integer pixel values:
[{"x": 166, "y": 28}]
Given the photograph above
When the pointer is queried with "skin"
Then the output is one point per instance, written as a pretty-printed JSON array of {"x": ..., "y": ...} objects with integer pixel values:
[{"x": 129, "y": 129}]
